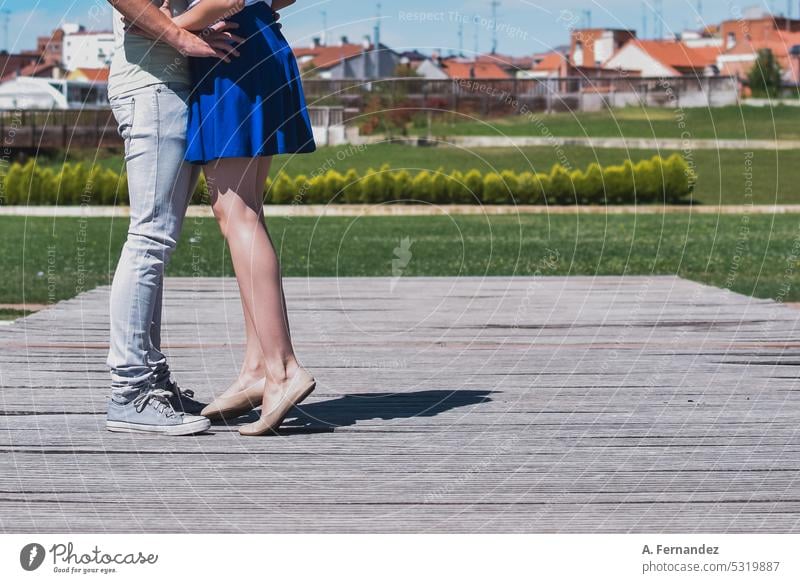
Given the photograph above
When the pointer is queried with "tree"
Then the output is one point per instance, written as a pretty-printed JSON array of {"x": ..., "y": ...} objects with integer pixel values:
[{"x": 765, "y": 76}]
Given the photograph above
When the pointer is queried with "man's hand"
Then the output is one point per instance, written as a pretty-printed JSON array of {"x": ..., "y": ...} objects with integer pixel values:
[
  {"x": 166, "y": 8},
  {"x": 145, "y": 19},
  {"x": 219, "y": 37}
]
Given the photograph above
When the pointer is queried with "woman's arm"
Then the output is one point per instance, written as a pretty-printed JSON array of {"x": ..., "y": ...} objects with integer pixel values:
[
  {"x": 207, "y": 12},
  {"x": 281, "y": 4}
]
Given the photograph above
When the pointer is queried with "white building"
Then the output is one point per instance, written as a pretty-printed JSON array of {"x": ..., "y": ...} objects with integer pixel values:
[
  {"x": 87, "y": 50},
  {"x": 44, "y": 93}
]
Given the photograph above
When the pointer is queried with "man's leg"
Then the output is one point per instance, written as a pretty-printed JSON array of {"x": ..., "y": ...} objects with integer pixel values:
[
  {"x": 153, "y": 122},
  {"x": 182, "y": 399}
]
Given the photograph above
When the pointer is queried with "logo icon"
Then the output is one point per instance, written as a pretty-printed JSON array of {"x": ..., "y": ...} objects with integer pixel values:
[
  {"x": 402, "y": 258},
  {"x": 31, "y": 556}
]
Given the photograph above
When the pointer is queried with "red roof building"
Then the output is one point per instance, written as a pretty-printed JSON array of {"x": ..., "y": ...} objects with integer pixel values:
[
  {"x": 89, "y": 75},
  {"x": 665, "y": 58}
]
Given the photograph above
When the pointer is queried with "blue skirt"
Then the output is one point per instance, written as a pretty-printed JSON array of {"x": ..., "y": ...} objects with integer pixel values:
[{"x": 252, "y": 106}]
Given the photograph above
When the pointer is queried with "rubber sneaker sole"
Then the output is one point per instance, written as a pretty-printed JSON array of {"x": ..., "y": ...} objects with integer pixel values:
[{"x": 188, "y": 428}]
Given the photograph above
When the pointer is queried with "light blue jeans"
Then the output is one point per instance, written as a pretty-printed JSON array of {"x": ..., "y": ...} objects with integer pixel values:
[{"x": 152, "y": 122}]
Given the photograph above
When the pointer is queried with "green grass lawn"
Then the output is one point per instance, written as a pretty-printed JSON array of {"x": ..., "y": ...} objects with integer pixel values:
[
  {"x": 43, "y": 260},
  {"x": 721, "y": 173},
  {"x": 734, "y": 122}
]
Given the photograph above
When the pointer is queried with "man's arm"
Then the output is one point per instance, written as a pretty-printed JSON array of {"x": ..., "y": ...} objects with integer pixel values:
[{"x": 156, "y": 24}]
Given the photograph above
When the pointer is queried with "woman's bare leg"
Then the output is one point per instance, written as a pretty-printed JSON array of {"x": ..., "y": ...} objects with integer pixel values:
[
  {"x": 237, "y": 200},
  {"x": 264, "y": 165},
  {"x": 253, "y": 369}
]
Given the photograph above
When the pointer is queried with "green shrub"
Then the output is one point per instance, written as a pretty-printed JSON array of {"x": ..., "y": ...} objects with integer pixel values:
[
  {"x": 589, "y": 185},
  {"x": 370, "y": 187},
  {"x": 511, "y": 181},
  {"x": 440, "y": 187},
  {"x": 316, "y": 192},
  {"x": 494, "y": 190},
  {"x": 561, "y": 189},
  {"x": 300, "y": 186},
  {"x": 526, "y": 188},
  {"x": 421, "y": 186},
  {"x": 457, "y": 192},
  {"x": 352, "y": 187},
  {"x": 474, "y": 184},
  {"x": 679, "y": 180},
  {"x": 334, "y": 183},
  {"x": 12, "y": 184},
  {"x": 648, "y": 181},
  {"x": 401, "y": 185},
  {"x": 385, "y": 184},
  {"x": 542, "y": 186},
  {"x": 620, "y": 187},
  {"x": 282, "y": 189}
]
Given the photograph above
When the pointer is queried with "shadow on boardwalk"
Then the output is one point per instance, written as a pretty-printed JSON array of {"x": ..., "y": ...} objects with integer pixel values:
[{"x": 347, "y": 410}]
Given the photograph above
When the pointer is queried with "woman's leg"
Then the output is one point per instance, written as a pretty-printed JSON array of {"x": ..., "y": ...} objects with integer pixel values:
[
  {"x": 264, "y": 165},
  {"x": 252, "y": 370},
  {"x": 237, "y": 200}
]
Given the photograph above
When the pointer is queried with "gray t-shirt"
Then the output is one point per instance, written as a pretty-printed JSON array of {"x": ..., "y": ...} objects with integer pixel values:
[{"x": 139, "y": 62}]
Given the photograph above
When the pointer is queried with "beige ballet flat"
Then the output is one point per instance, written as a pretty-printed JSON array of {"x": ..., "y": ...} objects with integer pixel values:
[
  {"x": 293, "y": 391},
  {"x": 237, "y": 404}
]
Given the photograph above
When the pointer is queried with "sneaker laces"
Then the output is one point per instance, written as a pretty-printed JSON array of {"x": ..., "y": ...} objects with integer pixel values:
[
  {"x": 156, "y": 398},
  {"x": 173, "y": 387}
]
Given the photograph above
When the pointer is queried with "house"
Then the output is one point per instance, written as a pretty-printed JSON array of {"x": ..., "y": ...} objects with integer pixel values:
[
  {"x": 51, "y": 93},
  {"x": 756, "y": 26},
  {"x": 460, "y": 68},
  {"x": 43, "y": 70},
  {"x": 554, "y": 64},
  {"x": 412, "y": 59},
  {"x": 591, "y": 47},
  {"x": 509, "y": 63},
  {"x": 759, "y": 30},
  {"x": 665, "y": 58},
  {"x": 87, "y": 49},
  {"x": 11, "y": 65},
  {"x": 88, "y": 75},
  {"x": 347, "y": 60}
]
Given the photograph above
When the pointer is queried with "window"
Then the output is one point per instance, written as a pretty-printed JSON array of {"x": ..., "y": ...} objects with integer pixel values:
[
  {"x": 577, "y": 56},
  {"x": 731, "y": 40}
]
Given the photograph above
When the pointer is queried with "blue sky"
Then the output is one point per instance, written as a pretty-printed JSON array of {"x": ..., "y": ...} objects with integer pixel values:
[{"x": 524, "y": 26}]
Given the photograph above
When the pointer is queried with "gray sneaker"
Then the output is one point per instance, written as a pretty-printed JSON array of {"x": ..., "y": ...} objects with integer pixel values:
[
  {"x": 182, "y": 400},
  {"x": 152, "y": 412}
]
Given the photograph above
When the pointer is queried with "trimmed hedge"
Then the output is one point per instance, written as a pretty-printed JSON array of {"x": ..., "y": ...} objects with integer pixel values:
[{"x": 649, "y": 181}]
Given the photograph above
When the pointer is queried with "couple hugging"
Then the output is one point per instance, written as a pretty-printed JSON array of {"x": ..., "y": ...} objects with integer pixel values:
[{"x": 207, "y": 85}]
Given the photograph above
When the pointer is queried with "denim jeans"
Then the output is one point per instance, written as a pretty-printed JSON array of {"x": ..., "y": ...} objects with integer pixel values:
[{"x": 152, "y": 122}]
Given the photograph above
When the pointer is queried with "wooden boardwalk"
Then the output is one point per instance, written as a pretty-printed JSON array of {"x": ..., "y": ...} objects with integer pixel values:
[{"x": 445, "y": 405}]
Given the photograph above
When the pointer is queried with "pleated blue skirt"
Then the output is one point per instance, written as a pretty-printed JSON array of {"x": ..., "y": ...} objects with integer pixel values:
[{"x": 254, "y": 105}]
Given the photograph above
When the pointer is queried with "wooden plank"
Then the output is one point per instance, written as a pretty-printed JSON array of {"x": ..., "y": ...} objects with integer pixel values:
[{"x": 566, "y": 404}]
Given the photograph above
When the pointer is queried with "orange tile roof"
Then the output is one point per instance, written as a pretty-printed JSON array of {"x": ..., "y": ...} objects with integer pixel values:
[
  {"x": 459, "y": 69},
  {"x": 94, "y": 75},
  {"x": 551, "y": 62},
  {"x": 36, "y": 70},
  {"x": 324, "y": 57},
  {"x": 507, "y": 61},
  {"x": 678, "y": 55}
]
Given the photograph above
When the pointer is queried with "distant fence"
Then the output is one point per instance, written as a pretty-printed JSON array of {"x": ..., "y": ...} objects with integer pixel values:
[
  {"x": 334, "y": 102},
  {"x": 495, "y": 97},
  {"x": 61, "y": 129}
]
